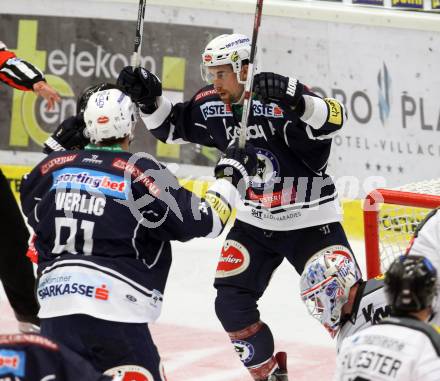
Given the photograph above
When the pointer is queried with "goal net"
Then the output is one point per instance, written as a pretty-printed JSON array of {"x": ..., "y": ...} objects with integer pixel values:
[{"x": 390, "y": 219}]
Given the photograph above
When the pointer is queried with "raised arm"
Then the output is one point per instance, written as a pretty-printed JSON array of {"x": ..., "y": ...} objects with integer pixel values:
[{"x": 22, "y": 75}]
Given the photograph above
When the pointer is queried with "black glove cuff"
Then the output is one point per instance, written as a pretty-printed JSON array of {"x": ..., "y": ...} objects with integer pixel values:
[
  {"x": 51, "y": 145},
  {"x": 148, "y": 108},
  {"x": 294, "y": 92}
]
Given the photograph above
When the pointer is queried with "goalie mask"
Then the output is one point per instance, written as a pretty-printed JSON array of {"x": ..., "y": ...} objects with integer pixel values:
[
  {"x": 325, "y": 284},
  {"x": 226, "y": 49},
  {"x": 109, "y": 114}
]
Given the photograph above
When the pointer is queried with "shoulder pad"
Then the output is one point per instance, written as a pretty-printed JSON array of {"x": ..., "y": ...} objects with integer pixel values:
[
  {"x": 432, "y": 331},
  {"x": 206, "y": 92}
]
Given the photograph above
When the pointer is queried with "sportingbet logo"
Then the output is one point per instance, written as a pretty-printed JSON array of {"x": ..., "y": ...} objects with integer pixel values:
[
  {"x": 215, "y": 109},
  {"x": 101, "y": 293},
  {"x": 95, "y": 182},
  {"x": 267, "y": 110}
]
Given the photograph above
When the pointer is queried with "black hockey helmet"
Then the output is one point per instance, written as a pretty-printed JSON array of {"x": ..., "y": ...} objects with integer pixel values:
[
  {"x": 410, "y": 283},
  {"x": 81, "y": 103}
]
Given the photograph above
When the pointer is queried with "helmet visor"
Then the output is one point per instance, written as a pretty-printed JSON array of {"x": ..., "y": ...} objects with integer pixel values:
[{"x": 211, "y": 73}]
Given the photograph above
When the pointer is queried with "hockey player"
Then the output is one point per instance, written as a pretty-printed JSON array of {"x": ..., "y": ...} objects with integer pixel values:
[
  {"x": 426, "y": 242},
  {"x": 70, "y": 133},
  {"x": 403, "y": 347},
  {"x": 291, "y": 210},
  {"x": 335, "y": 294},
  {"x": 16, "y": 271},
  {"x": 103, "y": 219},
  {"x": 33, "y": 357}
]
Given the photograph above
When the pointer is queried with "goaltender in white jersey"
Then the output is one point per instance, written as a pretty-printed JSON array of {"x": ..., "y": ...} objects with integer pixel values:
[
  {"x": 334, "y": 292},
  {"x": 426, "y": 242},
  {"x": 402, "y": 347}
]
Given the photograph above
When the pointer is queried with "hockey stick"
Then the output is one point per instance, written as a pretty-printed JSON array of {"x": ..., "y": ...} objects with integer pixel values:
[
  {"x": 250, "y": 76},
  {"x": 136, "y": 56}
]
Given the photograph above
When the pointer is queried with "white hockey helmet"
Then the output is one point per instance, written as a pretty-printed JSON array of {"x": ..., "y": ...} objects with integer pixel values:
[
  {"x": 226, "y": 49},
  {"x": 326, "y": 282},
  {"x": 109, "y": 114}
]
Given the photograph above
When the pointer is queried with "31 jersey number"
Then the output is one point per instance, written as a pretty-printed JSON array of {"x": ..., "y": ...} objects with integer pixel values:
[{"x": 70, "y": 244}]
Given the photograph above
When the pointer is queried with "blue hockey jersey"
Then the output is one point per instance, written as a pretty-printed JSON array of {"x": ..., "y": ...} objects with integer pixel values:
[
  {"x": 291, "y": 189},
  {"x": 103, "y": 221}
]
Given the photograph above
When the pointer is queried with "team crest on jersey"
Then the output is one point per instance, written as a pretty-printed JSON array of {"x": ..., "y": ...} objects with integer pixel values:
[
  {"x": 215, "y": 109},
  {"x": 130, "y": 373},
  {"x": 244, "y": 350},
  {"x": 234, "y": 259},
  {"x": 12, "y": 362},
  {"x": 268, "y": 169},
  {"x": 270, "y": 110}
]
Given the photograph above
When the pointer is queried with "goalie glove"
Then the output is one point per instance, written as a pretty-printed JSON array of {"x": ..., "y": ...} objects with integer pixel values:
[
  {"x": 274, "y": 87},
  {"x": 142, "y": 86},
  {"x": 238, "y": 166},
  {"x": 69, "y": 135}
]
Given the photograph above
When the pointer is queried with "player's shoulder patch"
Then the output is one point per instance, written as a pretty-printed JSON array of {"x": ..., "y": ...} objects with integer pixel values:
[
  {"x": 52, "y": 162},
  {"x": 335, "y": 111},
  {"x": 138, "y": 174},
  {"x": 23, "y": 339},
  {"x": 206, "y": 92}
]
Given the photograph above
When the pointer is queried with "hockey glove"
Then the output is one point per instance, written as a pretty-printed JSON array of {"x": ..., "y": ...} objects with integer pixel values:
[
  {"x": 69, "y": 135},
  {"x": 142, "y": 86},
  {"x": 238, "y": 165},
  {"x": 274, "y": 87}
]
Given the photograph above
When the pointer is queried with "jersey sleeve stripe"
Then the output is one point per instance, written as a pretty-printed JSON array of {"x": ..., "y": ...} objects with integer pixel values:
[{"x": 156, "y": 119}]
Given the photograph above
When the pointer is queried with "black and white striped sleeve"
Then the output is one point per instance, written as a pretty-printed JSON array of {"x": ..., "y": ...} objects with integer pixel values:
[{"x": 18, "y": 73}]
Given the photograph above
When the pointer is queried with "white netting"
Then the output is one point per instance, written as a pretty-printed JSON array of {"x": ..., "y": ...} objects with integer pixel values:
[
  {"x": 430, "y": 187},
  {"x": 397, "y": 223}
]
